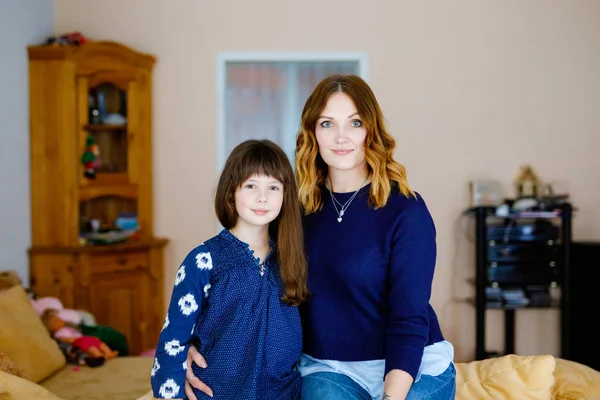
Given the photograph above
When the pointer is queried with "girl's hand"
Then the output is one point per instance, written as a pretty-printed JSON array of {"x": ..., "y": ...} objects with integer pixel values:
[{"x": 192, "y": 380}]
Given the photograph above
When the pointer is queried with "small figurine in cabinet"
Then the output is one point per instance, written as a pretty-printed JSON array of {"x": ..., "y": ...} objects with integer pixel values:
[{"x": 90, "y": 158}]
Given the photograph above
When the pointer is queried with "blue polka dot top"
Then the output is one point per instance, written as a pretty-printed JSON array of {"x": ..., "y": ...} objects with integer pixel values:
[{"x": 229, "y": 305}]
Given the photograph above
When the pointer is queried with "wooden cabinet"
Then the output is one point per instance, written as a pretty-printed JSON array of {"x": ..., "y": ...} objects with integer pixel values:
[{"x": 93, "y": 244}]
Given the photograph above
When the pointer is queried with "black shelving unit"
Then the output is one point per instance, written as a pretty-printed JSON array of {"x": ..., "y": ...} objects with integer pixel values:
[{"x": 518, "y": 260}]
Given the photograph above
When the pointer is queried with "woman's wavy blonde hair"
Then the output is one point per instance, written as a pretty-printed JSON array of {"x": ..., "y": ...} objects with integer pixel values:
[{"x": 311, "y": 170}]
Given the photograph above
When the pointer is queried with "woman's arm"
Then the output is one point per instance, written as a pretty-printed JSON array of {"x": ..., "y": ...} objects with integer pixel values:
[{"x": 412, "y": 264}]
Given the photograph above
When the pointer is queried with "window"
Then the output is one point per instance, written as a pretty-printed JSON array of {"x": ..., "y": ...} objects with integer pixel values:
[{"x": 262, "y": 96}]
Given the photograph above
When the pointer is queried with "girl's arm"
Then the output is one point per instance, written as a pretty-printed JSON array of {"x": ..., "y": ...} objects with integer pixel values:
[
  {"x": 412, "y": 264},
  {"x": 190, "y": 291}
]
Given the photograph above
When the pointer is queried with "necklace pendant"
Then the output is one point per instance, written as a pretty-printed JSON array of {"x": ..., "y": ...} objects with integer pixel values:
[
  {"x": 341, "y": 213},
  {"x": 262, "y": 273},
  {"x": 339, "y": 219}
]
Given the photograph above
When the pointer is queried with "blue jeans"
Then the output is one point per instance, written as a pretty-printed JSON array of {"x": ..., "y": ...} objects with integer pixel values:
[{"x": 333, "y": 386}]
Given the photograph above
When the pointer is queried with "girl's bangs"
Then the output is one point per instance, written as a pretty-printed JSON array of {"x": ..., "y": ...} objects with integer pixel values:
[{"x": 263, "y": 162}]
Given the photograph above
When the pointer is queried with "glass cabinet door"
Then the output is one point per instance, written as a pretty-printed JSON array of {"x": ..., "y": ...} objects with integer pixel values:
[
  {"x": 109, "y": 194},
  {"x": 105, "y": 129}
]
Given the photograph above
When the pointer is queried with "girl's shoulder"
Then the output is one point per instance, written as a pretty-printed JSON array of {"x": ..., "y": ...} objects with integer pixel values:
[
  {"x": 205, "y": 255},
  {"x": 219, "y": 254},
  {"x": 216, "y": 244},
  {"x": 201, "y": 257}
]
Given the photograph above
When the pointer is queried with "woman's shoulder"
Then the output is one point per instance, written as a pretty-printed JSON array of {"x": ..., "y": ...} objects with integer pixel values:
[
  {"x": 409, "y": 208},
  {"x": 401, "y": 202}
]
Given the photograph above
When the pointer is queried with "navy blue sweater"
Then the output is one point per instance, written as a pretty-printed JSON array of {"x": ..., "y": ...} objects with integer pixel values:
[
  {"x": 250, "y": 339},
  {"x": 370, "y": 277}
]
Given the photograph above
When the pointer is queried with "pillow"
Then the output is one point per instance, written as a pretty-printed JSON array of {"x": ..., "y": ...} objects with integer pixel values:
[
  {"x": 7, "y": 365},
  {"x": 147, "y": 396},
  {"x": 506, "y": 377},
  {"x": 9, "y": 279},
  {"x": 575, "y": 381},
  {"x": 13, "y": 388},
  {"x": 25, "y": 339}
]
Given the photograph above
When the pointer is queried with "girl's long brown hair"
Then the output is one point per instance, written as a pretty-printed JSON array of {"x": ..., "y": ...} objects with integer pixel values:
[
  {"x": 383, "y": 170},
  {"x": 266, "y": 158}
]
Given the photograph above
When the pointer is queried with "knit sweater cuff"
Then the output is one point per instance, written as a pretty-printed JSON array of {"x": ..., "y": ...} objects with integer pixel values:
[{"x": 402, "y": 356}]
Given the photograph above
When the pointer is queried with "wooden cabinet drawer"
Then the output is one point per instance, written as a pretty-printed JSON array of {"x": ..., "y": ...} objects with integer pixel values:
[{"x": 122, "y": 261}]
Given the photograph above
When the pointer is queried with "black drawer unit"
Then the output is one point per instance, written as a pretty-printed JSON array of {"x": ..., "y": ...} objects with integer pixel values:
[
  {"x": 542, "y": 254},
  {"x": 520, "y": 274},
  {"x": 521, "y": 231},
  {"x": 520, "y": 260}
]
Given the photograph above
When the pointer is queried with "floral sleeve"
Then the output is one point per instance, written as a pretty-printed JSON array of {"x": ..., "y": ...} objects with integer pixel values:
[{"x": 190, "y": 291}]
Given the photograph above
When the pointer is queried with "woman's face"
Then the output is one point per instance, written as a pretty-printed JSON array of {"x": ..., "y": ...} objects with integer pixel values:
[{"x": 341, "y": 134}]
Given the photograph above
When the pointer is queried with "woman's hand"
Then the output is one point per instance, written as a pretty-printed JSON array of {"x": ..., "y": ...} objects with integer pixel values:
[
  {"x": 191, "y": 380},
  {"x": 397, "y": 384}
]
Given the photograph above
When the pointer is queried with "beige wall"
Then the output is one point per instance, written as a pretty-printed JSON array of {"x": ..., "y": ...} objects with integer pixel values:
[{"x": 471, "y": 89}]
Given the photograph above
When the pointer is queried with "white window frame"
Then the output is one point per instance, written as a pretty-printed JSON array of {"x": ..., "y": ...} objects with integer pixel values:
[{"x": 224, "y": 57}]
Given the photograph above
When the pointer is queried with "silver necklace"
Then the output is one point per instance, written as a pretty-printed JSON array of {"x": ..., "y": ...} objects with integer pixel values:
[
  {"x": 262, "y": 265},
  {"x": 343, "y": 207}
]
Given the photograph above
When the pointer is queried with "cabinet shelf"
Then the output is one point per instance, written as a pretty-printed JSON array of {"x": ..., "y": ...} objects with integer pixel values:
[
  {"x": 473, "y": 282},
  {"x": 490, "y": 213},
  {"x": 490, "y": 306},
  {"x": 88, "y": 192},
  {"x": 104, "y": 127},
  {"x": 107, "y": 179},
  {"x": 132, "y": 244}
]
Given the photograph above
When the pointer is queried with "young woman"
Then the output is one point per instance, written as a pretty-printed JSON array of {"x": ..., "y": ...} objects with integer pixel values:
[
  {"x": 369, "y": 329},
  {"x": 236, "y": 295}
]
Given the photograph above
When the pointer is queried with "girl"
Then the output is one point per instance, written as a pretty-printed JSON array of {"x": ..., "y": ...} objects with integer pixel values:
[{"x": 236, "y": 295}]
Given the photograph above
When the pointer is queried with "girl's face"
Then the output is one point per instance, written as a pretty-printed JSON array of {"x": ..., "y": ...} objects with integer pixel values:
[
  {"x": 340, "y": 134},
  {"x": 258, "y": 200}
]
